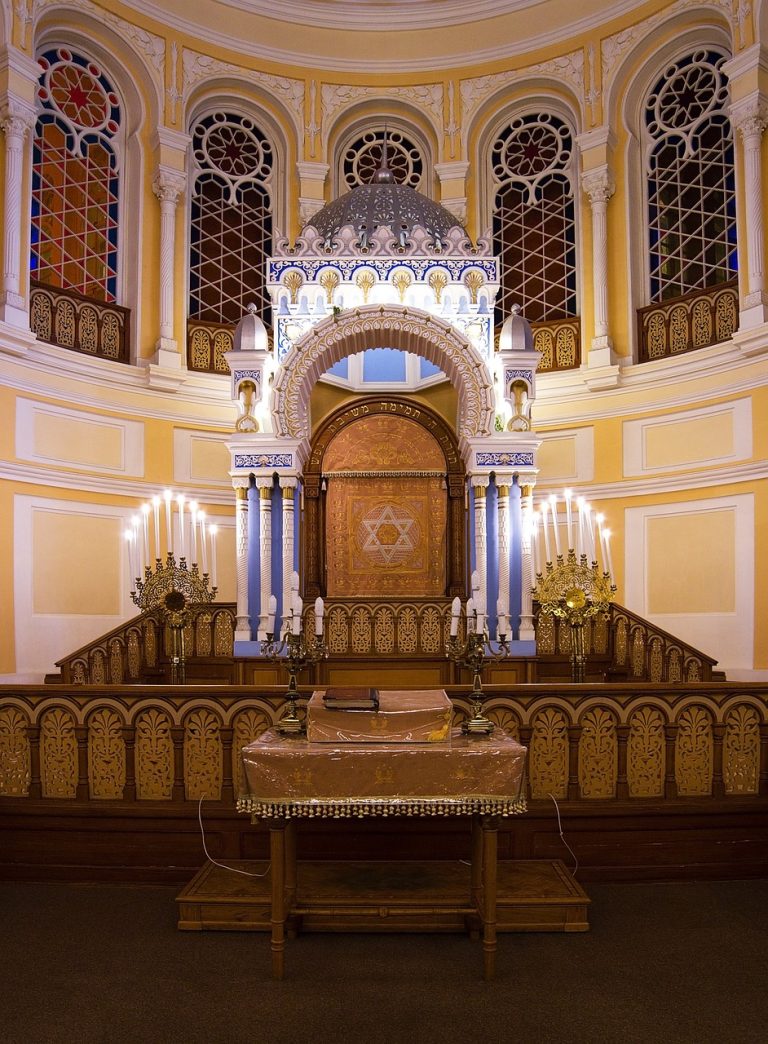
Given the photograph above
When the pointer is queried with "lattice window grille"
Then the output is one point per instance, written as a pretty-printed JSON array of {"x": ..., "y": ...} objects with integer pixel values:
[
  {"x": 534, "y": 220},
  {"x": 690, "y": 178},
  {"x": 362, "y": 159},
  {"x": 231, "y": 219},
  {"x": 75, "y": 177}
]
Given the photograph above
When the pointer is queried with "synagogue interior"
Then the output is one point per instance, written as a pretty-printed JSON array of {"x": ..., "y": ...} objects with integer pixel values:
[{"x": 408, "y": 347}]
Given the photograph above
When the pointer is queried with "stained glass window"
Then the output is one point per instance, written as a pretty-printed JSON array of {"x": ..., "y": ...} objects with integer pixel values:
[
  {"x": 363, "y": 158},
  {"x": 231, "y": 232},
  {"x": 75, "y": 177},
  {"x": 534, "y": 224},
  {"x": 691, "y": 189}
]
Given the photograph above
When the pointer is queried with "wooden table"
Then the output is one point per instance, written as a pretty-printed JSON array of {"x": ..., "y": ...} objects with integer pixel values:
[{"x": 289, "y": 779}]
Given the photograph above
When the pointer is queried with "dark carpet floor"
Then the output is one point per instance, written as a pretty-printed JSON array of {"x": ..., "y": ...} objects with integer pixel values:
[{"x": 663, "y": 962}]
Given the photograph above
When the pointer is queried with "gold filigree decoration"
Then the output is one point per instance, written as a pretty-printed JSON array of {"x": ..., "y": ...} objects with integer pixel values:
[
  {"x": 154, "y": 756},
  {"x": 549, "y": 755},
  {"x": 565, "y": 348},
  {"x": 741, "y": 751},
  {"x": 247, "y": 727},
  {"x": 431, "y": 631},
  {"x": 638, "y": 652},
  {"x": 384, "y": 630},
  {"x": 505, "y": 720},
  {"x": 78, "y": 673},
  {"x": 329, "y": 281},
  {"x": 726, "y": 315},
  {"x": 657, "y": 336},
  {"x": 473, "y": 280},
  {"x": 115, "y": 662},
  {"x": 203, "y": 634},
  {"x": 646, "y": 753},
  {"x": 564, "y": 636},
  {"x": 106, "y": 755},
  {"x": 544, "y": 343},
  {"x": 361, "y": 630},
  {"x": 401, "y": 280},
  {"x": 150, "y": 643},
  {"x": 600, "y": 634},
  {"x": 407, "y": 630},
  {"x": 58, "y": 755},
  {"x": 202, "y": 756},
  {"x": 293, "y": 280},
  {"x": 110, "y": 336},
  {"x": 338, "y": 630},
  {"x": 678, "y": 330},
  {"x": 674, "y": 666},
  {"x": 98, "y": 671},
  {"x": 15, "y": 760},
  {"x": 620, "y": 641},
  {"x": 701, "y": 323},
  {"x": 438, "y": 280},
  {"x": 693, "y": 670},
  {"x": 694, "y": 753},
  {"x": 656, "y": 660},
  {"x": 223, "y": 635},
  {"x": 545, "y": 634},
  {"x": 41, "y": 316},
  {"x": 133, "y": 654},
  {"x": 65, "y": 328},
  {"x": 598, "y": 754},
  {"x": 365, "y": 280}
]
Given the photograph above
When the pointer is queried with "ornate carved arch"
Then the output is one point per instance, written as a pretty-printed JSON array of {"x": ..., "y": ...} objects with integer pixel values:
[
  {"x": 314, "y": 530},
  {"x": 382, "y": 326}
]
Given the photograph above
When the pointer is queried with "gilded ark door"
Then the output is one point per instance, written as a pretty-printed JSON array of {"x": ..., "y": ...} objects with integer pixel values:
[{"x": 386, "y": 510}]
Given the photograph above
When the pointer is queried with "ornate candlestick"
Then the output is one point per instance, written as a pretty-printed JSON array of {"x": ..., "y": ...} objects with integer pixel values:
[
  {"x": 474, "y": 652},
  {"x": 296, "y": 651}
]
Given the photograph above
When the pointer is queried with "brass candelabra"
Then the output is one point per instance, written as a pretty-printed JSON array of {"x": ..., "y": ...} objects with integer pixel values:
[
  {"x": 474, "y": 651},
  {"x": 179, "y": 592},
  {"x": 296, "y": 651},
  {"x": 574, "y": 591}
]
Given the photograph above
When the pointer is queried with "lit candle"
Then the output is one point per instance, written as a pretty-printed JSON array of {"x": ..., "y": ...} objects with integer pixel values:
[
  {"x": 272, "y": 609},
  {"x": 474, "y": 582},
  {"x": 193, "y": 528},
  {"x": 590, "y": 549},
  {"x": 201, "y": 516},
  {"x": 213, "y": 530},
  {"x": 181, "y": 500},
  {"x": 568, "y": 517},
  {"x": 298, "y": 606},
  {"x": 580, "y": 549},
  {"x": 131, "y": 566},
  {"x": 455, "y": 614},
  {"x": 167, "y": 495},
  {"x": 145, "y": 509},
  {"x": 156, "y": 509},
  {"x": 555, "y": 524},
  {"x": 607, "y": 535},
  {"x": 319, "y": 609},
  {"x": 535, "y": 550},
  {"x": 599, "y": 519},
  {"x": 137, "y": 547},
  {"x": 545, "y": 530},
  {"x": 470, "y": 611},
  {"x": 294, "y": 581},
  {"x": 502, "y": 625}
]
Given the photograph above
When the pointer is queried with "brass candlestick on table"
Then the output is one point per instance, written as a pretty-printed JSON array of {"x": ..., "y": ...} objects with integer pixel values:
[
  {"x": 296, "y": 651},
  {"x": 474, "y": 651}
]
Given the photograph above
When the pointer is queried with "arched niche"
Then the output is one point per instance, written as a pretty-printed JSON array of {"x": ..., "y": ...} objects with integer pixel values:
[
  {"x": 333, "y": 453},
  {"x": 382, "y": 326}
]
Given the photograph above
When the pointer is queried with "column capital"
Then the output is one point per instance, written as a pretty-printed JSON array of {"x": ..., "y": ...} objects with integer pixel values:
[
  {"x": 479, "y": 481},
  {"x": 17, "y": 117},
  {"x": 168, "y": 185},
  {"x": 264, "y": 485},
  {"x": 598, "y": 185},
  {"x": 750, "y": 115},
  {"x": 241, "y": 484},
  {"x": 287, "y": 482}
]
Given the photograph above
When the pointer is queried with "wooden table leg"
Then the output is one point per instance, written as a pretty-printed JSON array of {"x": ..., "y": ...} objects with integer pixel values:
[
  {"x": 278, "y": 911},
  {"x": 290, "y": 874},
  {"x": 476, "y": 874},
  {"x": 490, "y": 828}
]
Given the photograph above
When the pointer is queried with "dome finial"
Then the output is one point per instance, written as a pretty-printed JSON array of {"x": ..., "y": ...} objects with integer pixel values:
[{"x": 383, "y": 175}]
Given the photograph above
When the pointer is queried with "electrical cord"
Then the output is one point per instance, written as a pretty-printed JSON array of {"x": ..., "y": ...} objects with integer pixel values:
[
  {"x": 562, "y": 836},
  {"x": 210, "y": 858}
]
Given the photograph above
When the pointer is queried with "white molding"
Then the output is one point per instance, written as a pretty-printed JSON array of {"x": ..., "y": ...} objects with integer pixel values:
[
  {"x": 728, "y": 636},
  {"x": 634, "y": 432},
  {"x": 131, "y": 436},
  {"x": 712, "y": 479},
  {"x": 584, "y": 455},
  {"x": 183, "y": 438}
]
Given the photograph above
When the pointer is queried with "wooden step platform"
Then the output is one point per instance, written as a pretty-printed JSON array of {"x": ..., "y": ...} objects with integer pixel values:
[{"x": 533, "y": 896}]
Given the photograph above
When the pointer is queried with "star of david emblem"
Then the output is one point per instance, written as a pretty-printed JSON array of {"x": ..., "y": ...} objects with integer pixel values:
[{"x": 388, "y": 535}]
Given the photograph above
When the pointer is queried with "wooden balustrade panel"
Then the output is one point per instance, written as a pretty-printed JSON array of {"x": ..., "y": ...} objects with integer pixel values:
[{"x": 15, "y": 758}]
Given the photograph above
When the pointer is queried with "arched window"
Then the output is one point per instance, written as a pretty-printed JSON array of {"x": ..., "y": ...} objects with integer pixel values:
[
  {"x": 362, "y": 158},
  {"x": 690, "y": 178},
  {"x": 231, "y": 231},
  {"x": 534, "y": 224},
  {"x": 75, "y": 178}
]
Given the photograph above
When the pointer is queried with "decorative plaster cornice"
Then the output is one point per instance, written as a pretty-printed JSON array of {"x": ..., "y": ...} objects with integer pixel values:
[
  {"x": 335, "y": 97},
  {"x": 197, "y": 67}
]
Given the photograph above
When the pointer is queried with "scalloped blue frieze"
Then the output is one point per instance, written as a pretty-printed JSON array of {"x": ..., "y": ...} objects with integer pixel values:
[
  {"x": 503, "y": 459},
  {"x": 382, "y": 266},
  {"x": 523, "y": 375},
  {"x": 263, "y": 460},
  {"x": 242, "y": 375}
]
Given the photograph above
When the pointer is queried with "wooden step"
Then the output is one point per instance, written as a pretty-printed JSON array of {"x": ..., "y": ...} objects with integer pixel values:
[{"x": 533, "y": 896}]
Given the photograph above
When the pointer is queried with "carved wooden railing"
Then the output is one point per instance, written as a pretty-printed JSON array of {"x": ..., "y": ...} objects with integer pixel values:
[
  {"x": 625, "y": 645},
  {"x": 70, "y": 320},
  {"x": 206, "y": 345},
  {"x": 586, "y": 743},
  {"x": 683, "y": 324},
  {"x": 559, "y": 344}
]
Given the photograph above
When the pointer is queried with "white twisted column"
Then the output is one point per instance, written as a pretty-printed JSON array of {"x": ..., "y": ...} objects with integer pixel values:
[
  {"x": 503, "y": 484},
  {"x": 243, "y": 620},
  {"x": 599, "y": 186},
  {"x": 527, "y": 630},
  {"x": 17, "y": 119},
  {"x": 168, "y": 186},
  {"x": 287, "y": 485},
  {"x": 479, "y": 487},
  {"x": 264, "y": 487},
  {"x": 751, "y": 118}
]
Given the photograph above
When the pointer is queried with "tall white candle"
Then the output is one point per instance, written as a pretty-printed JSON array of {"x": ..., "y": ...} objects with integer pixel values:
[
  {"x": 607, "y": 535},
  {"x": 145, "y": 509},
  {"x": 294, "y": 581},
  {"x": 502, "y": 615},
  {"x": 135, "y": 522},
  {"x": 167, "y": 497},
  {"x": 455, "y": 614},
  {"x": 470, "y": 611},
  {"x": 156, "y": 509},
  {"x": 213, "y": 530},
  {"x": 591, "y": 554},
  {"x": 181, "y": 500},
  {"x": 568, "y": 517},
  {"x": 474, "y": 582},
  {"x": 201, "y": 517},
  {"x": 319, "y": 610},
  {"x": 545, "y": 531},
  {"x": 298, "y": 606},
  {"x": 535, "y": 549},
  {"x": 131, "y": 567},
  {"x": 599, "y": 519},
  {"x": 271, "y": 610},
  {"x": 580, "y": 549},
  {"x": 193, "y": 529},
  {"x": 555, "y": 523}
]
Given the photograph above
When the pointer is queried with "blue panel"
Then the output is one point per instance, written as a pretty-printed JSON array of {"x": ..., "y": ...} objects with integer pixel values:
[
  {"x": 427, "y": 369},
  {"x": 254, "y": 560},
  {"x": 516, "y": 558},
  {"x": 492, "y": 554},
  {"x": 277, "y": 553},
  {"x": 296, "y": 527},
  {"x": 383, "y": 364},
  {"x": 340, "y": 369}
]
